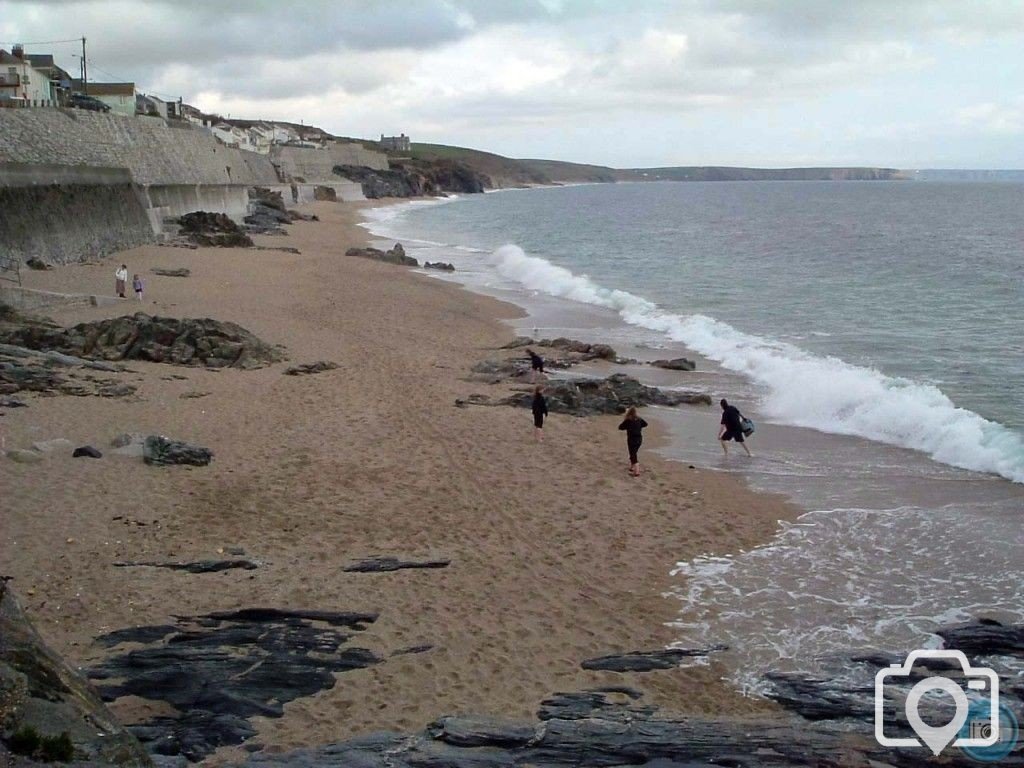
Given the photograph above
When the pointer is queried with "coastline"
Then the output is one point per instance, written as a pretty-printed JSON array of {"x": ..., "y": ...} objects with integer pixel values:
[{"x": 556, "y": 554}]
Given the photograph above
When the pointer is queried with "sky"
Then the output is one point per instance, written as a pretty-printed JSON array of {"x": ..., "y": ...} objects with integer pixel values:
[{"x": 627, "y": 83}]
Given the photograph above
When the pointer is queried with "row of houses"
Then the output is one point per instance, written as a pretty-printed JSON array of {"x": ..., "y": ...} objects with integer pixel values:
[{"x": 35, "y": 80}]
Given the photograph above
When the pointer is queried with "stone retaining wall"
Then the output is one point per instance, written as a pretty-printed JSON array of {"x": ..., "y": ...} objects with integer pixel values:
[
  {"x": 65, "y": 214},
  {"x": 155, "y": 151}
]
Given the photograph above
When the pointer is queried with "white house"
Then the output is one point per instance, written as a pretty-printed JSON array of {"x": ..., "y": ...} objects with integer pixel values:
[
  {"x": 22, "y": 83},
  {"x": 120, "y": 97}
]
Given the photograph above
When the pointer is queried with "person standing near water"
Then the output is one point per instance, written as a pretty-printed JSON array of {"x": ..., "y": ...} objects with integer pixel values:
[
  {"x": 731, "y": 427},
  {"x": 540, "y": 411},
  {"x": 121, "y": 280},
  {"x": 536, "y": 364},
  {"x": 633, "y": 426}
]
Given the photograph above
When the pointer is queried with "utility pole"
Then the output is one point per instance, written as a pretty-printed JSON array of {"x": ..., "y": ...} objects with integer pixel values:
[{"x": 85, "y": 70}]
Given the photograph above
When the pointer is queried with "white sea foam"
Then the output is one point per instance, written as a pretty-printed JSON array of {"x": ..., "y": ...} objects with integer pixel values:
[{"x": 823, "y": 393}]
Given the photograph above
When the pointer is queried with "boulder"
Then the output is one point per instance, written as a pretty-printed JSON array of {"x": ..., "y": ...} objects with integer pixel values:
[
  {"x": 87, "y": 452},
  {"x": 675, "y": 364},
  {"x": 37, "y": 263},
  {"x": 24, "y": 457},
  {"x": 394, "y": 256},
  {"x": 41, "y": 695},
  {"x": 307, "y": 369},
  {"x": 442, "y": 266},
  {"x": 388, "y": 564},
  {"x": 161, "y": 451},
  {"x": 213, "y": 229},
  {"x": 177, "y": 272},
  {"x": 323, "y": 193},
  {"x": 194, "y": 342}
]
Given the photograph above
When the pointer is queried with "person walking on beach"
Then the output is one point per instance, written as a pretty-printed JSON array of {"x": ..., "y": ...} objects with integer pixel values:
[
  {"x": 137, "y": 287},
  {"x": 633, "y": 426},
  {"x": 731, "y": 427},
  {"x": 536, "y": 364},
  {"x": 120, "y": 280},
  {"x": 540, "y": 411}
]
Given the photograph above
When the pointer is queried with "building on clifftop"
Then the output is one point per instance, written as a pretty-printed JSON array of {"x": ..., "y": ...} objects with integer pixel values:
[{"x": 400, "y": 143}]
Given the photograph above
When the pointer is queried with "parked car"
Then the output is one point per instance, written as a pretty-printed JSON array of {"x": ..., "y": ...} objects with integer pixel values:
[{"x": 84, "y": 101}]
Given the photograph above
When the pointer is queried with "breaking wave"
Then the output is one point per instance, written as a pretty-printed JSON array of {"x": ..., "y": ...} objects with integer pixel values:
[{"x": 805, "y": 390}]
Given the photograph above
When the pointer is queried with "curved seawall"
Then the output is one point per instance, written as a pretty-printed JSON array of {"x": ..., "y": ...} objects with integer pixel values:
[
  {"x": 77, "y": 185},
  {"x": 63, "y": 214}
]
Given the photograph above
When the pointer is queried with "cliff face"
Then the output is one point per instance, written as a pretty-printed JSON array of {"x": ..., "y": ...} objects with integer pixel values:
[{"x": 416, "y": 178}]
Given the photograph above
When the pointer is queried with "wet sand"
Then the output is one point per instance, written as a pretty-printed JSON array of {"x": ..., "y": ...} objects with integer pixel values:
[{"x": 557, "y": 554}]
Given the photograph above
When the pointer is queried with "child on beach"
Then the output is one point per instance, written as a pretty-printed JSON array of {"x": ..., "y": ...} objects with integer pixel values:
[
  {"x": 536, "y": 364},
  {"x": 540, "y": 410},
  {"x": 633, "y": 426},
  {"x": 137, "y": 286},
  {"x": 731, "y": 427},
  {"x": 120, "y": 279}
]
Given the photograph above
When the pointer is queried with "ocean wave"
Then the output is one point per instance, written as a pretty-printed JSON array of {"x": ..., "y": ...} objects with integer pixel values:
[{"x": 805, "y": 390}]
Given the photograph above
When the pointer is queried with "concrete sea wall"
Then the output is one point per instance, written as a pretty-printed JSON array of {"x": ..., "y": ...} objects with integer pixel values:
[
  {"x": 77, "y": 184},
  {"x": 62, "y": 214}
]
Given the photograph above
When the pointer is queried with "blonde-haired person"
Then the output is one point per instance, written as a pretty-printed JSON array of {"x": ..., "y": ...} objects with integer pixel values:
[{"x": 633, "y": 426}]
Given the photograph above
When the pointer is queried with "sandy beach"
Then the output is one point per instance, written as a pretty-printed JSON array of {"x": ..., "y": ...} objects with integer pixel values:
[{"x": 557, "y": 555}]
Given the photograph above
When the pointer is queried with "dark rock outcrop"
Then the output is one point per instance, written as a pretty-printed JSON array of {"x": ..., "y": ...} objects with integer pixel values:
[
  {"x": 307, "y": 369},
  {"x": 584, "y": 350},
  {"x": 197, "y": 342},
  {"x": 197, "y": 566},
  {"x": 38, "y": 264},
  {"x": 416, "y": 178},
  {"x": 213, "y": 229},
  {"x": 675, "y": 364},
  {"x": 221, "y": 669},
  {"x": 25, "y": 370},
  {"x": 161, "y": 451},
  {"x": 441, "y": 266},
  {"x": 177, "y": 272},
  {"x": 647, "y": 661},
  {"x": 38, "y": 691},
  {"x": 603, "y": 728},
  {"x": 87, "y": 452},
  {"x": 588, "y": 397},
  {"x": 394, "y": 256},
  {"x": 388, "y": 564}
]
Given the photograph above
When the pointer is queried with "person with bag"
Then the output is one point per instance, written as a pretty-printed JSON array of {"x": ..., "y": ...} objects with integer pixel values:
[
  {"x": 733, "y": 427},
  {"x": 633, "y": 426}
]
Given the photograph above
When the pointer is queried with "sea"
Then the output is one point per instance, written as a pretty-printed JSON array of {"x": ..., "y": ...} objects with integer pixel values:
[{"x": 872, "y": 330}]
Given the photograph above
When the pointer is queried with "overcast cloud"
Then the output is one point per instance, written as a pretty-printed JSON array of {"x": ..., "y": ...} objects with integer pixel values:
[{"x": 905, "y": 83}]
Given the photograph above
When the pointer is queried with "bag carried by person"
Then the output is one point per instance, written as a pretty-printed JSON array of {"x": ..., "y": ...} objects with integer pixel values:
[{"x": 747, "y": 426}]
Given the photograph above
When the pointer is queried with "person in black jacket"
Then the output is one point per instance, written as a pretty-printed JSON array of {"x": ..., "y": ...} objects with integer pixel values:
[
  {"x": 633, "y": 426},
  {"x": 540, "y": 410},
  {"x": 732, "y": 427},
  {"x": 536, "y": 365}
]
